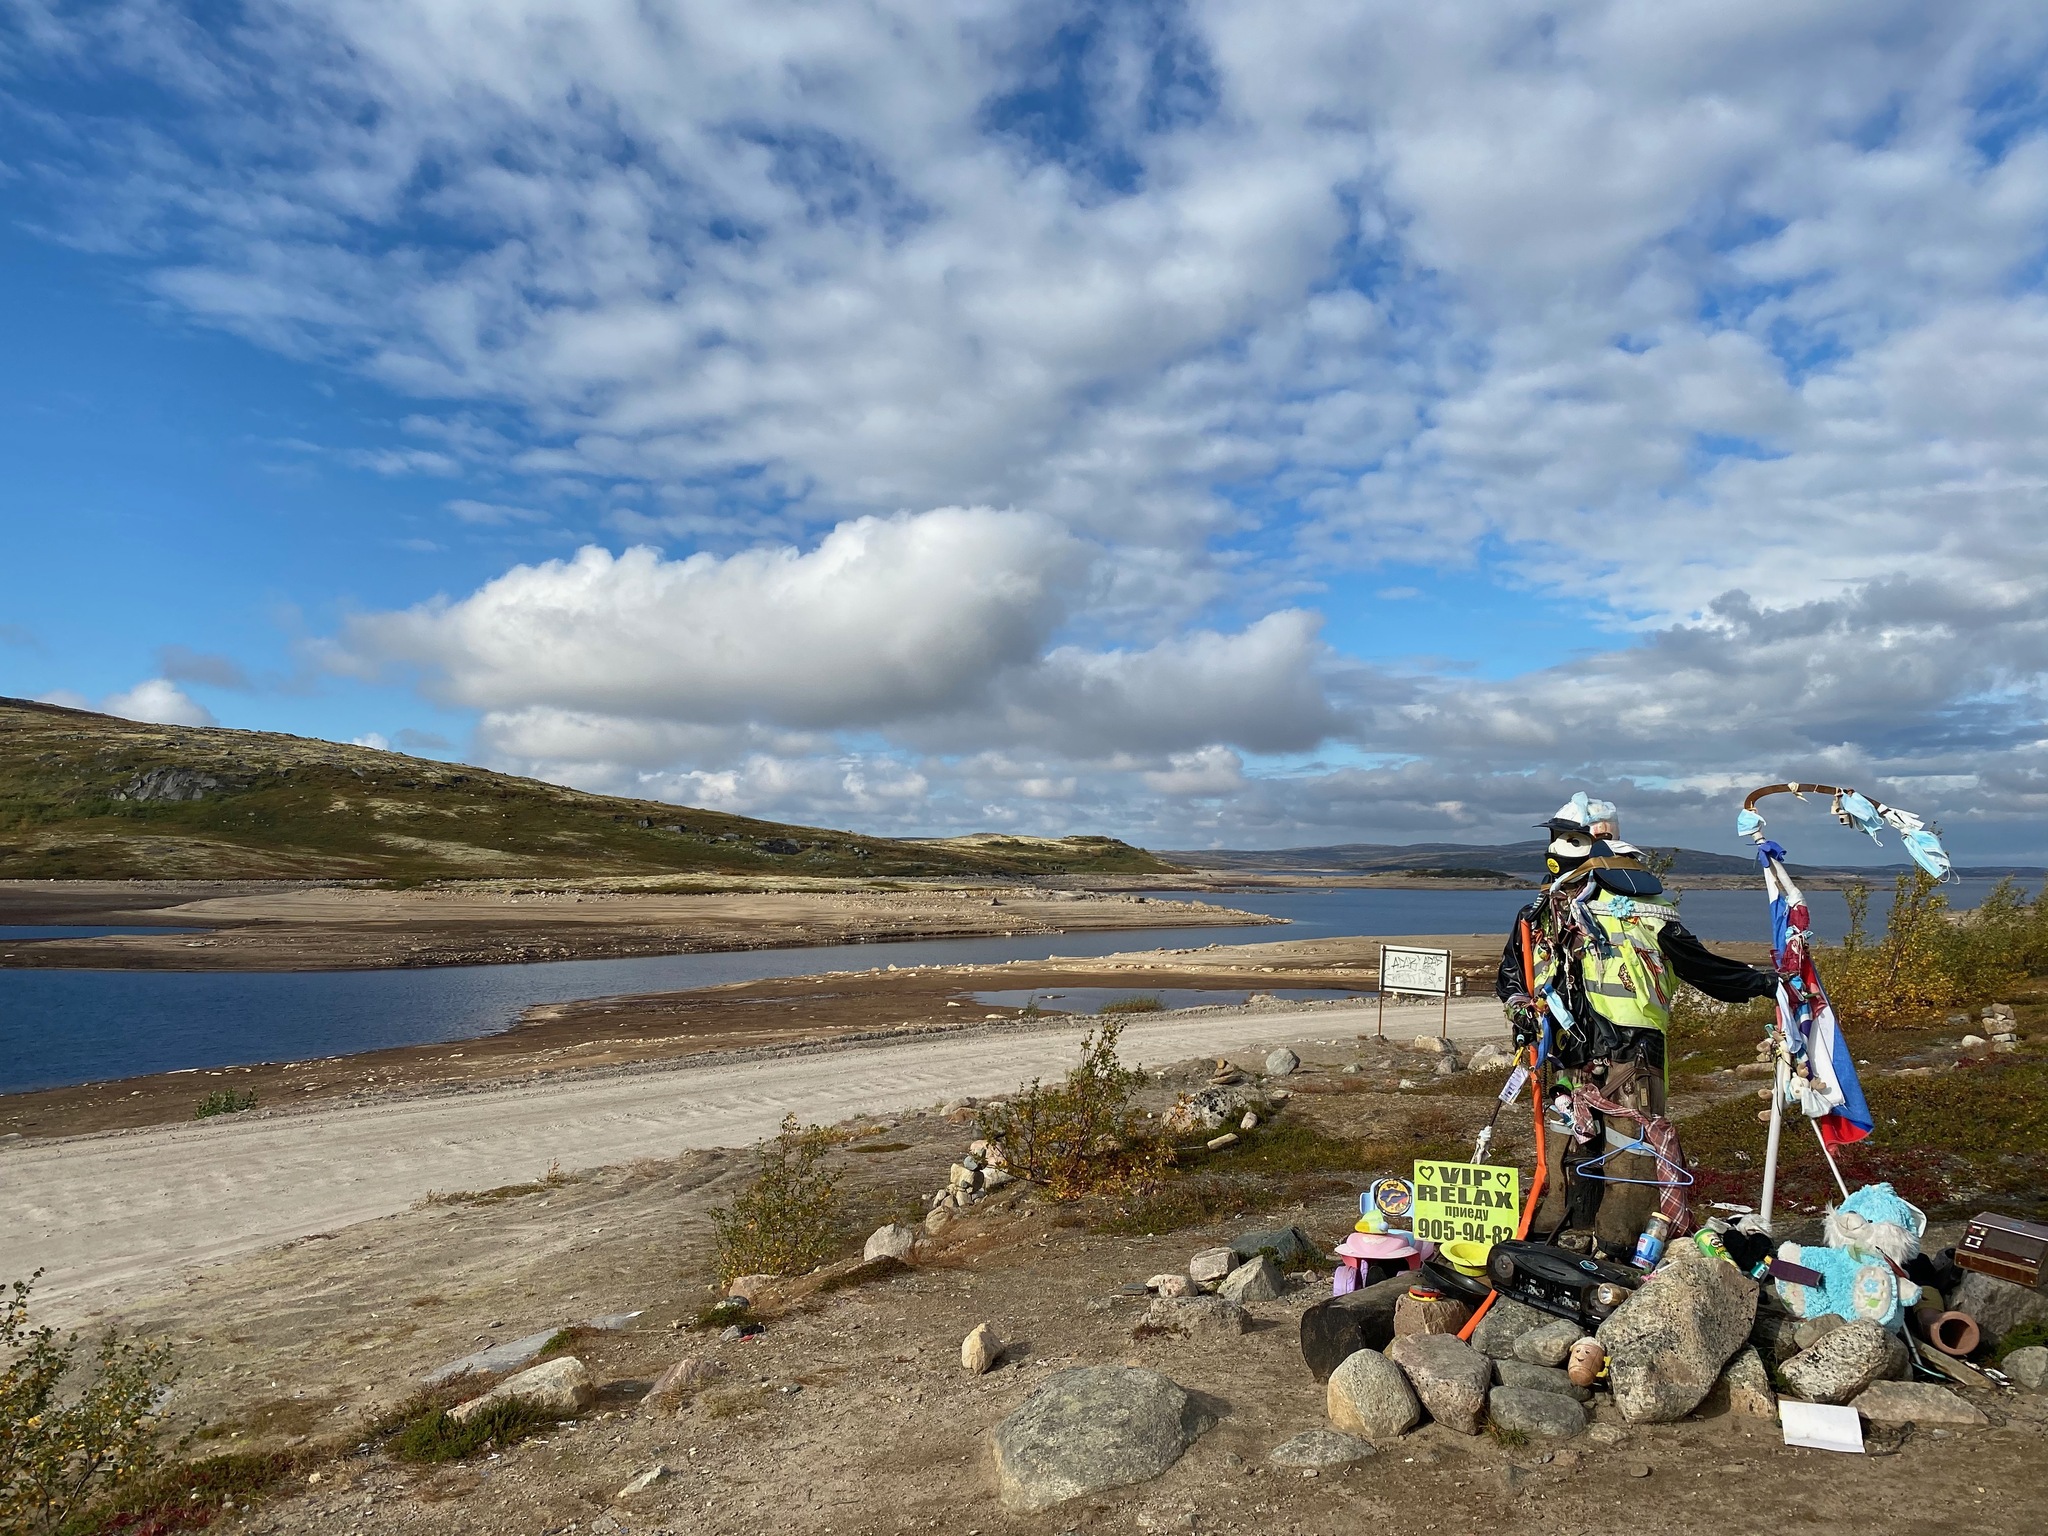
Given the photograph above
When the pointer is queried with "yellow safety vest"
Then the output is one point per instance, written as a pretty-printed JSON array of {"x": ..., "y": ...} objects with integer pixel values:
[{"x": 1630, "y": 984}]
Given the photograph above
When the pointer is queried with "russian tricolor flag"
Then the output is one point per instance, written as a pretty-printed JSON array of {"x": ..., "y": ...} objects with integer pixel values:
[
  {"x": 1828, "y": 1053},
  {"x": 1806, "y": 1013}
]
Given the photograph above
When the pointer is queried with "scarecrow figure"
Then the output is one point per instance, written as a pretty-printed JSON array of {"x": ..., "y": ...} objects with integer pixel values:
[{"x": 1587, "y": 978}]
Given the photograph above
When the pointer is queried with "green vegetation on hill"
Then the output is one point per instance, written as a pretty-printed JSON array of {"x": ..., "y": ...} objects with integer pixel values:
[{"x": 86, "y": 796}]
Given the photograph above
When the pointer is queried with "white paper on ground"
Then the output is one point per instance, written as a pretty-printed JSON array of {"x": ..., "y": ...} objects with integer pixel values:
[{"x": 1821, "y": 1426}]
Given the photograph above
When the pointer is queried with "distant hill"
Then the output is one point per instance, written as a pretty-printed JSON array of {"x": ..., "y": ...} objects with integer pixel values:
[
  {"x": 1523, "y": 860},
  {"x": 88, "y": 796}
]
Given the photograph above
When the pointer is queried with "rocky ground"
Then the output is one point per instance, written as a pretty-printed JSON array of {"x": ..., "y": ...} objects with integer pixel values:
[{"x": 851, "y": 1410}]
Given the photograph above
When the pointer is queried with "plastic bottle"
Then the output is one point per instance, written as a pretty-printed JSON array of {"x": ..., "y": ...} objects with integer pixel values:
[{"x": 1650, "y": 1246}]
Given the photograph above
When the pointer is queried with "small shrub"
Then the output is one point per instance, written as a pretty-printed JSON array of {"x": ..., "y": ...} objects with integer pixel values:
[
  {"x": 224, "y": 1101},
  {"x": 1136, "y": 1004},
  {"x": 790, "y": 1219},
  {"x": 1082, "y": 1135},
  {"x": 185, "y": 1496},
  {"x": 437, "y": 1435},
  {"x": 57, "y": 1452},
  {"x": 1902, "y": 976},
  {"x": 564, "y": 1340}
]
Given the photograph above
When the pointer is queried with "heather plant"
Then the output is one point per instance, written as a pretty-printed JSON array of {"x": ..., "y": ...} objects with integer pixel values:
[
  {"x": 1082, "y": 1135},
  {"x": 70, "y": 1428},
  {"x": 790, "y": 1219}
]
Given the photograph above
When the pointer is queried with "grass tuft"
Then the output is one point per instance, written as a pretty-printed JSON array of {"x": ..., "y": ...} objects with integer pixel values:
[
  {"x": 437, "y": 1435},
  {"x": 224, "y": 1101},
  {"x": 1140, "y": 1003}
]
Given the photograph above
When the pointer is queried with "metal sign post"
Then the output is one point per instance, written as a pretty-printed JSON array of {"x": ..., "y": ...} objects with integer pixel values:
[{"x": 1416, "y": 973}]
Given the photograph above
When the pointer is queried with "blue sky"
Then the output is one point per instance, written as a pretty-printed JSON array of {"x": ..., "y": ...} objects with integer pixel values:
[{"x": 1136, "y": 417}]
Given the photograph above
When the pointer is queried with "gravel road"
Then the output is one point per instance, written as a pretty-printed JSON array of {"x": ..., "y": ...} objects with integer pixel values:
[{"x": 115, "y": 1215}]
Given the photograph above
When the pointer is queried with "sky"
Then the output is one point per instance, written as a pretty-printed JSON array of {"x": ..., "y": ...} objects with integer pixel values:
[{"x": 1208, "y": 424}]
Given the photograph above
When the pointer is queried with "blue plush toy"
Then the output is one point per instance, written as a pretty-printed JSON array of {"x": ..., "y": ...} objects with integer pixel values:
[{"x": 1871, "y": 1231}]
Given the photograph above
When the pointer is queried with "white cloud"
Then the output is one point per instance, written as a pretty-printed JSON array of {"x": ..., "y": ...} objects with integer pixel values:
[
  {"x": 491, "y": 514},
  {"x": 1719, "y": 320},
  {"x": 159, "y": 701},
  {"x": 1210, "y": 772},
  {"x": 888, "y": 619}
]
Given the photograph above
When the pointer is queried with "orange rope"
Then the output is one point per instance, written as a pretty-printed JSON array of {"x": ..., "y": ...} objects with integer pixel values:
[{"x": 1542, "y": 1157}]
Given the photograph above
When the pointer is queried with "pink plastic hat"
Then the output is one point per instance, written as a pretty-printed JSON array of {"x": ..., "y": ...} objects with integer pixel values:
[{"x": 1376, "y": 1245}]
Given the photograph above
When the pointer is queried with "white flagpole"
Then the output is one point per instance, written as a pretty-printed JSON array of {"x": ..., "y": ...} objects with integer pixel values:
[
  {"x": 1771, "y": 1144},
  {"x": 1830, "y": 1156}
]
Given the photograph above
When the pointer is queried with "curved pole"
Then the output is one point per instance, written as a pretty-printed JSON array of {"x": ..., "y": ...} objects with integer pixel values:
[{"x": 1750, "y": 800}]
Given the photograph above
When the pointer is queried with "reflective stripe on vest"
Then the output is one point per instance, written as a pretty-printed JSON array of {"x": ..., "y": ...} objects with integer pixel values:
[{"x": 1631, "y": 981}]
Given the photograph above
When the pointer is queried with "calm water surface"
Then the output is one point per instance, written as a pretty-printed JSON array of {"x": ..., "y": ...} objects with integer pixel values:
[{"x": 64, "y": 1026}]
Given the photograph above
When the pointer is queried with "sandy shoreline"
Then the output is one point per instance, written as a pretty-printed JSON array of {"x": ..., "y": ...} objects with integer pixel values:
[{"x": 272, "y": 926}]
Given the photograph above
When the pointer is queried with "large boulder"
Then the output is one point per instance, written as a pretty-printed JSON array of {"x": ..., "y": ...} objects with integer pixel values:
[
  {"x": 1998, "y": 1305},
  {"x": 1289, "y": 1247},
  {"x": 2028, "y": 1367},
  {"x": 1258, "y": 1279},
  {"x": 1319, "y": 1448},
  {"x": 1450, "y": 1377},
  {"x": 980, "y": 1350},
  {"x": 1914, "y": 1402},
  {"x": 1844, "y": 1363},
  {"x": 1748, "y": 1385},
  {"x": 1525, "y": 1377},
  {"x": 1497, "y": 1333},
  {"x": 1091, "y": 1428},
  {"x": 1281, "y": 1062},
  {"x": 1209, "y": 1267},
  {"x": 1667, "y": 1343},
  {"x": 1550, "y": 1344},
  {"x": 561, "y": 1387},
  {"x": 1341, "y": 1326},
  {"x": 1196, "y": 1317},
  {"x": 1369, "y": 1395},
  {"x": 1208, "y": 1109},
  {"x": 894, "y": 1241},
  {"x": 1539, "y": 1415}
]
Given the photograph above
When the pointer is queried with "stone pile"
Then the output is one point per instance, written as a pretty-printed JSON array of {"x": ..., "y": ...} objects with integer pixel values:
[{"x": 980, "y": 1172}]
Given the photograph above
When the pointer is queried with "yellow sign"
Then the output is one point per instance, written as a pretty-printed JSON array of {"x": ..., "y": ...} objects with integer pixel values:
[{"x": 1473, "y": 1202}]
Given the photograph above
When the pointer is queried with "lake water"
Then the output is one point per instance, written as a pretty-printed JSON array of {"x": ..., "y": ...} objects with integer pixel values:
[{"x": 66, "y": 1026}]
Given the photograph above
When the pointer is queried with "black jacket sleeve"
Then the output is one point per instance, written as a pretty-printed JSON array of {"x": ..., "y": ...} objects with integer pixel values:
[
  {"x": 1508, "y": 982},
  {"x": 1719, "y": 977}
]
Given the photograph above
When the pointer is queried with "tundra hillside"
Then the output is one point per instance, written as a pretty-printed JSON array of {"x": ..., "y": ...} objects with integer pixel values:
[{"x": 88, "y": 796}]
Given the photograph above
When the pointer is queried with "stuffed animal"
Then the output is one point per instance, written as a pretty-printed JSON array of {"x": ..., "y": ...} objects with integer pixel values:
[
  {"x": 1873, "y": 1230},
  {"x": 1875, "y": 1217}
]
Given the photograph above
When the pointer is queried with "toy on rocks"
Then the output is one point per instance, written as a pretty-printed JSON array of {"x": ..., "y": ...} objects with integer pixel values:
[{"x": 1871, "y": 1237}]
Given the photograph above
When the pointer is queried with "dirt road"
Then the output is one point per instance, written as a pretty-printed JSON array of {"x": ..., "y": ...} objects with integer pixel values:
[{"x": 111, "y": 1216}]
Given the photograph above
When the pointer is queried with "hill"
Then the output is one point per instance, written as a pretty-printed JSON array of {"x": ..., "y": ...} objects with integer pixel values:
[
  {"x": 1523, "y": 860},
  {"x": 88, "y": 796}
]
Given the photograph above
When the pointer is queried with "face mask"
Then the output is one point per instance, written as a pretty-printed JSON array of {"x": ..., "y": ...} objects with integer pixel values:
[{"x": 1567, "y": 851}]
